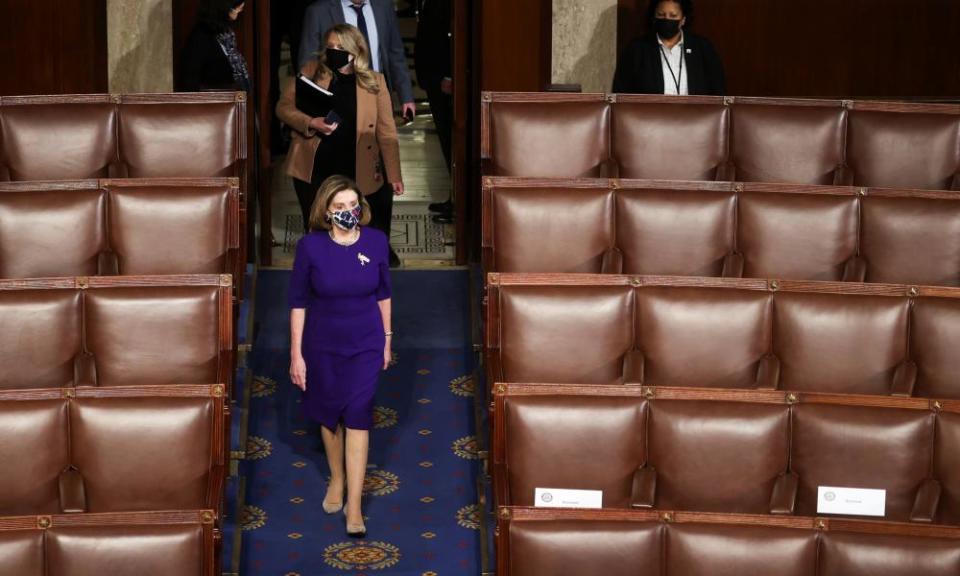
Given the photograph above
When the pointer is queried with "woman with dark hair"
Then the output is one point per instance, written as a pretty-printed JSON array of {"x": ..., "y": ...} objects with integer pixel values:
[
  {"x": 211, "y": 59},
  {"x": 669, "y": 60}
]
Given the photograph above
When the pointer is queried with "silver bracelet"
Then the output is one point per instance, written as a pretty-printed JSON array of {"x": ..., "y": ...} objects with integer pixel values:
[{"x": 388, "y": 333}]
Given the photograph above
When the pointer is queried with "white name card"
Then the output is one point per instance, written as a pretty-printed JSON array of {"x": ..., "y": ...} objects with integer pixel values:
[
  {"x": 854, "y": 501},
  {"x": 560, "y": 498}
]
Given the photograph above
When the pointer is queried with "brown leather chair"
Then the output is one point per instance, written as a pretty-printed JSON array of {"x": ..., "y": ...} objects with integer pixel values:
[
  {"x": 708, "y": 550},
  {"x": 800, "y": 143},
  {"x": 160, "y": 136},
  {"x": 704, "y": 337},
  {"x": 904, "y": 149},
  {"x": 145, "y": 453},
  {"x": 946, "y": 467},
  {"x": 137, "y": 544},
  {"x": 863, "y": 447},
  {"x": 552, "y": 230},
  {"x": 549, "y": 139},
  {"x": 911, "y": 240},
  {"x": 683, "y": 232},
  {"x": 41, "y": 335},
  {"x": 172, "y": 230},
  {"x": 51, "y": 232},
  {"x": 602, "y": 441},
  {"x": 798, "y": 236},
  {"x": 578, "y": 548},
  {"x": 852, "y": 554},
  {"x": 715, "y": 456},
  {"x": 671, "y": 140},
  {"x": 840, "y": 343},
  {"x": 154, "y": 335},
  {"x": 934, "y": 334},
  {"x": 58, "y": 138},
  {"x": 21, "y": 553},
  {"x": 571, "y": 334},
  {"x": 34, "y": 451}
]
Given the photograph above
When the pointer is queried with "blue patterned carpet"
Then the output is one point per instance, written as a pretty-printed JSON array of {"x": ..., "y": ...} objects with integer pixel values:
[{"x": 420, "y": 496}]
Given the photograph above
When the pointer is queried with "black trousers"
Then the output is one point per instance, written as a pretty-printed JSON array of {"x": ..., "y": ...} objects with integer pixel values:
[
  {"x": 441, "y": 106},
  {"x": 306, "y": 192},
  {"x": 381, "y": 208}
]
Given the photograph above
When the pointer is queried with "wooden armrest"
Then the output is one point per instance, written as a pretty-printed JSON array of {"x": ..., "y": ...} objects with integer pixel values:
[
  {"x": 855, "y": 270},
  {"x": 644, "y": 491},
  {"x": 73, "y": 496},
  {"x": 633, "y": 367},
  {"x": 732, "y": 265},
  {"x": 612, "y": 262},
  {"x": 108, "y": 264},
  {"x": 783, "y": 500},
  {"x": 768, "y": 373},
  {"x": 927, "y": 502},
  {"x": 726, "y": 172},
  {"x": 843, "y": 176},
  {"x": 84, "y": 370},
  {"x": 904, "y": 379}
]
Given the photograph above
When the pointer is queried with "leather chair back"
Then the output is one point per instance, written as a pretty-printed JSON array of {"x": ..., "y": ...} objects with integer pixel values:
[
  {"x": 946, "y": 467},
  {"x": 670, "y": 141},
  {"x": 861, "y": 447},
  {"x": 903, "y": 149},
  {"x": 739, "y": 551},
  {"x": 799, "y": 144},
  {"x": 934, "y": 334},
  {"x": 34, "y": 450},
  {"x": 662, "y": 231},
  {"x": 41, "y": 334},
  {"x": 852, "y": 554}
]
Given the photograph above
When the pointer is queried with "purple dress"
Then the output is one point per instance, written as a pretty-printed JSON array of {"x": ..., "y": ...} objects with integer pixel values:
[{"x": 343, "y": 336}]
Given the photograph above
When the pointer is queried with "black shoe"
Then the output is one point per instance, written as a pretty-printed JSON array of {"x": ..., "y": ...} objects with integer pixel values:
[
  {"x": 443, "y": 218},
  {"x": 441, "y": 207},
  {"x": 394, "y": 259}
]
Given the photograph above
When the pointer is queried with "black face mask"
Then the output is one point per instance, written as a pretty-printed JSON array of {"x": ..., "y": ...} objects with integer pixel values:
[
  {"x": 666, "y": 28},
  {"x": 337, "y": 59}
]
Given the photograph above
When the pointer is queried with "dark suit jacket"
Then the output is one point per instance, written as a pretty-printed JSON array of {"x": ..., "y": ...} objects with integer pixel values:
[
  {"x": 325, "y": 14},
  {"x": 432, "y": 58},
  {"x": 639, "y": 69}
]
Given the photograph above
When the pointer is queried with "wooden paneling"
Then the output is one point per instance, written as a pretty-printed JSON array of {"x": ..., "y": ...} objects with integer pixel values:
[
  {"x": 53, "y": 47},
  {"x": 516, "y": 39},
  {"x": 826, "y": 48}
]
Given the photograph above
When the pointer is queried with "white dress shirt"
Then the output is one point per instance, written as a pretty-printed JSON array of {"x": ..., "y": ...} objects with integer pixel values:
[
  {"x": 350, "y": 16},
  {"x": 672, "y": 62}
]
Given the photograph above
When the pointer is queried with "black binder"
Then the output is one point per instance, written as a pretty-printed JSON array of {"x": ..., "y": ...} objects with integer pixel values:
[{"x": 312, "y": 99}]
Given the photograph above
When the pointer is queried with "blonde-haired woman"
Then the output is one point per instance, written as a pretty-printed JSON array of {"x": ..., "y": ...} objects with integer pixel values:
[
  {"x": 354, "y": 146},
  {"x": 340, "y": 334}
]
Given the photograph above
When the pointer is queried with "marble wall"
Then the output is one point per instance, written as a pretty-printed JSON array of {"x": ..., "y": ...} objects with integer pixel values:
[
  {"x": 140, "y": 45},
  {"x": 584, "y": 43}
]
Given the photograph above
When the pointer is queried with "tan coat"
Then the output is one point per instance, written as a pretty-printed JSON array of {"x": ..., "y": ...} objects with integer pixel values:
[{"x": 376, "y": 134}]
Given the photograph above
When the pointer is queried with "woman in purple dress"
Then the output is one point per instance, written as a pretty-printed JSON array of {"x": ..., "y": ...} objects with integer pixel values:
[{"x": 340, "y": 333}]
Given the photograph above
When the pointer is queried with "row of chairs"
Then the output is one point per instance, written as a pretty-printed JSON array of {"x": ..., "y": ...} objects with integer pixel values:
[
  {"x": 120, "y": 227},
  {"x": 115, "y": 331},
  {"x": 798, "y": 200},
  {"x": 550, "y": 542},
  {"x": 879, "y": 339},
  {"x": 842, "y": 142},
  {"x": 124, "y": 449},
  {"x": 722, "y": 229},
  {"x": 116, "y": 380},
  {"x": 726, "y": 451},
  {"x": 135, "y": 544},
  {"x": 177, "y": 135}
]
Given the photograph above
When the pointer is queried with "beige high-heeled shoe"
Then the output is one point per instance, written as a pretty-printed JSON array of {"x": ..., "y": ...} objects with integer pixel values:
[
  {"x": 355, "y": 530},
  {"x": 332, "y": 507}
]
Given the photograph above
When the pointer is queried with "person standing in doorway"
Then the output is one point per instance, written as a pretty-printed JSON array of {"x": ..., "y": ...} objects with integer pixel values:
[
  {"x": 433, "y": 62},
  {"x": 365, "y": 133},
  {"x": 211, "y": 58},
  {"x": 340, "y": 335},
  {"x": 670, "y": 60}
]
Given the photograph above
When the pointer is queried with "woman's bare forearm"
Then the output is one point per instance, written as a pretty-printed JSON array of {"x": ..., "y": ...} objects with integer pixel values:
[{"x": 297, "y": 316}]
